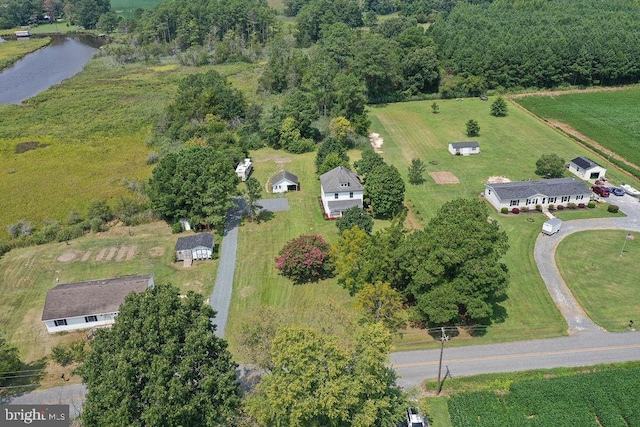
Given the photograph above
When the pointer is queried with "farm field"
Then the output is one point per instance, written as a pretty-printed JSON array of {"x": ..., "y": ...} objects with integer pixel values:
[
  {"x": 602, "y": 398},
  {"x": 127, "y": 7},
  {"x": 609, "y": 117},
  {"x": 587, "y": 270},
  {"x": 11, "y": 51},
  {"x": 28, "y": 273}
]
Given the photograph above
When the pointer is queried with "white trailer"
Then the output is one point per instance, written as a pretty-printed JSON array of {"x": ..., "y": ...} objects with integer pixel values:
[{"x": 552, "y": 226}]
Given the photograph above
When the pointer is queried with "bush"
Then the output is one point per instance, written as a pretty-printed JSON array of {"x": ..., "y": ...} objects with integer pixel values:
[
  {"x": 591, "y": 205},
  {"x": 525, "y": 209},
  {"x": 305, "y": 259},
  {"x": 176, "y": 227},
  {"x": 560, "y": 207},
  {"x": 613, "y": 208},
  {"x": 571, "y": 205},
  {"x": 504, "y": 210},
  {"x": 77, "y": 350},
  {"x": 552, "y": 208},
  {"x": 4, "y": 248},
  {"x": 539, "y": 208},
  {"x": 515, "y": 211},
  {"x": 582, "y": 205},
  {"x": 61, "y": 355}
]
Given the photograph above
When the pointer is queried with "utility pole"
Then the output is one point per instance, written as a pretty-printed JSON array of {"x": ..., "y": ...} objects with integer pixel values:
[{"x": 443, "y": 338}]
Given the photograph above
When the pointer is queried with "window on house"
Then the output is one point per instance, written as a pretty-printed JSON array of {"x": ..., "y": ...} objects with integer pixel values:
[
  {"x": 580, "y": 197},
  {"x": 61, "y": 322},
  {"x": 335, "y": 196},
  {"x": 351, "y": 195},
  {"x": 552, "y": 199},
  {"x": 90, "y": 319},
  {"x": 565, "y": 199},
  {"x": 514, "y": 203}
]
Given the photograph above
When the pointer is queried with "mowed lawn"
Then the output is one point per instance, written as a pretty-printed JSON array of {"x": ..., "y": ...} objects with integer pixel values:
[
  {"x": 612, "y": 118},
  {"x": 605, "y": 283},
  {"x": 28, "y": 273},
  {"x": 509, "y": 147}
]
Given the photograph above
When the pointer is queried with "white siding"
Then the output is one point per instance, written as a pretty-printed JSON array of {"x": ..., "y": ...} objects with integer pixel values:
[{"x": 77, "y": 323}]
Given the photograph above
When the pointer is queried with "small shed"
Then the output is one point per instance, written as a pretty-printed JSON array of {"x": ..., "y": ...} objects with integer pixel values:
[
  {"x": 586, "y": 169},
  {"x": 552, "y": 226},
  {"x": 464, "y": 148},
  {"x": 244, "y": 169},
  {"x": 198, "y": 246},
  {"x": 284, "y": 181}
]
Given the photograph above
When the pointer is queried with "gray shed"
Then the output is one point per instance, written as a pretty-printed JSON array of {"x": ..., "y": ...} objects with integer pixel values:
[
  {"x": 198, "y": 246},
  {"x": 552, "y": 226}
]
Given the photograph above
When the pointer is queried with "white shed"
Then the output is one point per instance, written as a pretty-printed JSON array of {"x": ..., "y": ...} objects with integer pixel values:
[
  {"x": 586, "y": 169},
  {"x": 284, "y": 181},
  {"x": 244, "y": 169},
  {"x": 464, "y": 148},
  {"x": 552, "y": 226}
]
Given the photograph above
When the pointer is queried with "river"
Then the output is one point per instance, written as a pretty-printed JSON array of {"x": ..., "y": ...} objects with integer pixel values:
[{"x": 40, "y": 70}]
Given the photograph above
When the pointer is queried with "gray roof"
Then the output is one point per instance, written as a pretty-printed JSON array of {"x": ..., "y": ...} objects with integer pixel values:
[
  {"x": 546, "y": 187},
  {"x": 92, "y": 297},
  {"x": 343, "y": 205},
  {"x": 469, "y": 144},
  {"x": 584, "y": 162},
  {"x": 285, "y": 175},
  {"x": 190, "y": 242},
  {"x": 554, "y": 221},
  {"x": 332, "y": 181}
]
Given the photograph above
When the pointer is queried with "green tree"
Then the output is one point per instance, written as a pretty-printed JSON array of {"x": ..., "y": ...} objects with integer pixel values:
[
  {"x": 435, "y": 108},
  {"x": 107, "y": 22},
  {"x": 416, "y": 170},
  {"x": 384, "y": 188},
  {"x": 252, "y": 195},
  {"x": 369, "y": 161},
  {"x": 340, "y": 128},
  {"x": 550, "y": 166},
  {"x": 316, "y": 382},
  {"x": 355, "y": 217},
  {"x": 455, "y": 265},
  {"x": 499, "y": 107},
  {"x": 332, "y": 161},
  {"x": 100, "y": 210},
  {"x": 291, "y": 138},
  {"x": 473, "y": 128},
  {"x": 160, "y": 364},
  {"x": 194, "y": 183},
  {"x": 87, "y": 12},
  {"x": 331, "y": 146},
  {"x": 305, "y": 259},
  {"x": 348, "y": 255},
  {"x": 380, "y": 303},
  {"x": 9, "y": 361}
]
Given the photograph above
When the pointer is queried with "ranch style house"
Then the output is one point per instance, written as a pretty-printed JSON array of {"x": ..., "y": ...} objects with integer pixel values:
[
  {"x": 586, "y": 169},
  {"x": 82, "y": 305},
  {"x": 544, "y": 192},
  {"x": 284, "y": 181},
  {"x": 340, "y": 189},
  {"x": 464, "y": 148}
]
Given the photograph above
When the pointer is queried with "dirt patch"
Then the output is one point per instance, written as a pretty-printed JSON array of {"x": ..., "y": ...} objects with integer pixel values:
[
  {"x": 122, "y": 252},
  {"x": 444, "y": 177},
  {"x": 568, "y": 91},
  {"x": 67, "y": 257},
  {"x": 246, "y": 291},
  {"x": 111, "y": 254},
  {"x": 156, "y": 252},
  {"x": 23, "y": 147},
  {"x": 376, "y": 142},
  {"x": 278, "y": 160},
  {"x": 132, "y": 252},
  {"x": 86, "y": 256},
  {"x": 101, "y": 254},
  {"x": 497, "y": 180}
]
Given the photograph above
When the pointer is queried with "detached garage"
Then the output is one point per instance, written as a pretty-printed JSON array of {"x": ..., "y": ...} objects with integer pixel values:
[
  {"x": 586, "y": 169},
  {"x": 198, "y": 246}
]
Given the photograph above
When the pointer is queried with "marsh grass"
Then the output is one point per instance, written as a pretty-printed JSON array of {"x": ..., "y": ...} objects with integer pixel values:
[{"x": 13, "y": 50}]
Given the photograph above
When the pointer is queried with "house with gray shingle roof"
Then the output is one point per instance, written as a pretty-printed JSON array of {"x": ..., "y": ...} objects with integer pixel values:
[
  {"x": 544, "y": 192},
  {"x": 464, "y": 148},
  {"x": 586, "y": 169},
  {"x": 197, "y": 246},
  {"x": 83, "y": 305},
  {"x": 340, "y": 189},
  {"x": 284, "y": 181}
]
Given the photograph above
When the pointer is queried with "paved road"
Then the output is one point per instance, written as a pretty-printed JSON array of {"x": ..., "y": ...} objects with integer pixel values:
[{"x": 72, "y": 395}]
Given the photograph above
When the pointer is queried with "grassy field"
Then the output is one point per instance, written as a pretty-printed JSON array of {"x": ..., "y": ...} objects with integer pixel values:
[
  {"x": 604, "y": 283},
  {"x": 28, "y": 273},
  {"x": 11, "y": 51},
  {"x": 127, "y": 7},
  {"x": 611, "y": 118}
]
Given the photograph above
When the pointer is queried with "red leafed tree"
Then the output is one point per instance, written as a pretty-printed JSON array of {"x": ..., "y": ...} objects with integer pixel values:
[{"x": 305, "y": 259}]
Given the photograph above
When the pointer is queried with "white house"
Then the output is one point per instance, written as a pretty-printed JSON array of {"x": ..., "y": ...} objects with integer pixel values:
[
  {"x": 244, "y": 169},
  {"x": 83, "y": 305},
  {"x": 545, "y": 192},
  {"x": 284, "y": 181},
  {"x": 198, "y": 246},
  {"x": 586, "y": 169},
  {"x": 464, "y": 148},
  {"x": 340, "y": 189}
]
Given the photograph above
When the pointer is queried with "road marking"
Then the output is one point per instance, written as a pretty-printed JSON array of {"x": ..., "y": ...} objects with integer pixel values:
[{"x": 520, "y": 355}]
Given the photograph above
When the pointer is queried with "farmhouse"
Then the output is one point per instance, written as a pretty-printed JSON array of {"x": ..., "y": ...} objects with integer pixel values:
[
  {"x": 464, "y": 148},
  {"x": 83, "y": 305},
  {"x": 586, "y": 168},
  {"x": 198, "y": 246},
  {"x": 244, "y": 169},
  {"x": 340, "y": 189},
  {"x": 558, "y": 191},
  {"x": 284, "y": 181}
]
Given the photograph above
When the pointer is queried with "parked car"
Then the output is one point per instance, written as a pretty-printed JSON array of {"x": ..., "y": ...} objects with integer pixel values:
[
  {"x": 484, "y": 98},
  {"x": 415, "y": 419},
  {"x": 618, "y": 191},
  {"x": 601, "y": 190}
]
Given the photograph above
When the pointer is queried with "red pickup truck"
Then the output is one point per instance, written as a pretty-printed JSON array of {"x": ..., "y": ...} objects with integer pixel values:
[{"x": 601, "y": 190}]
